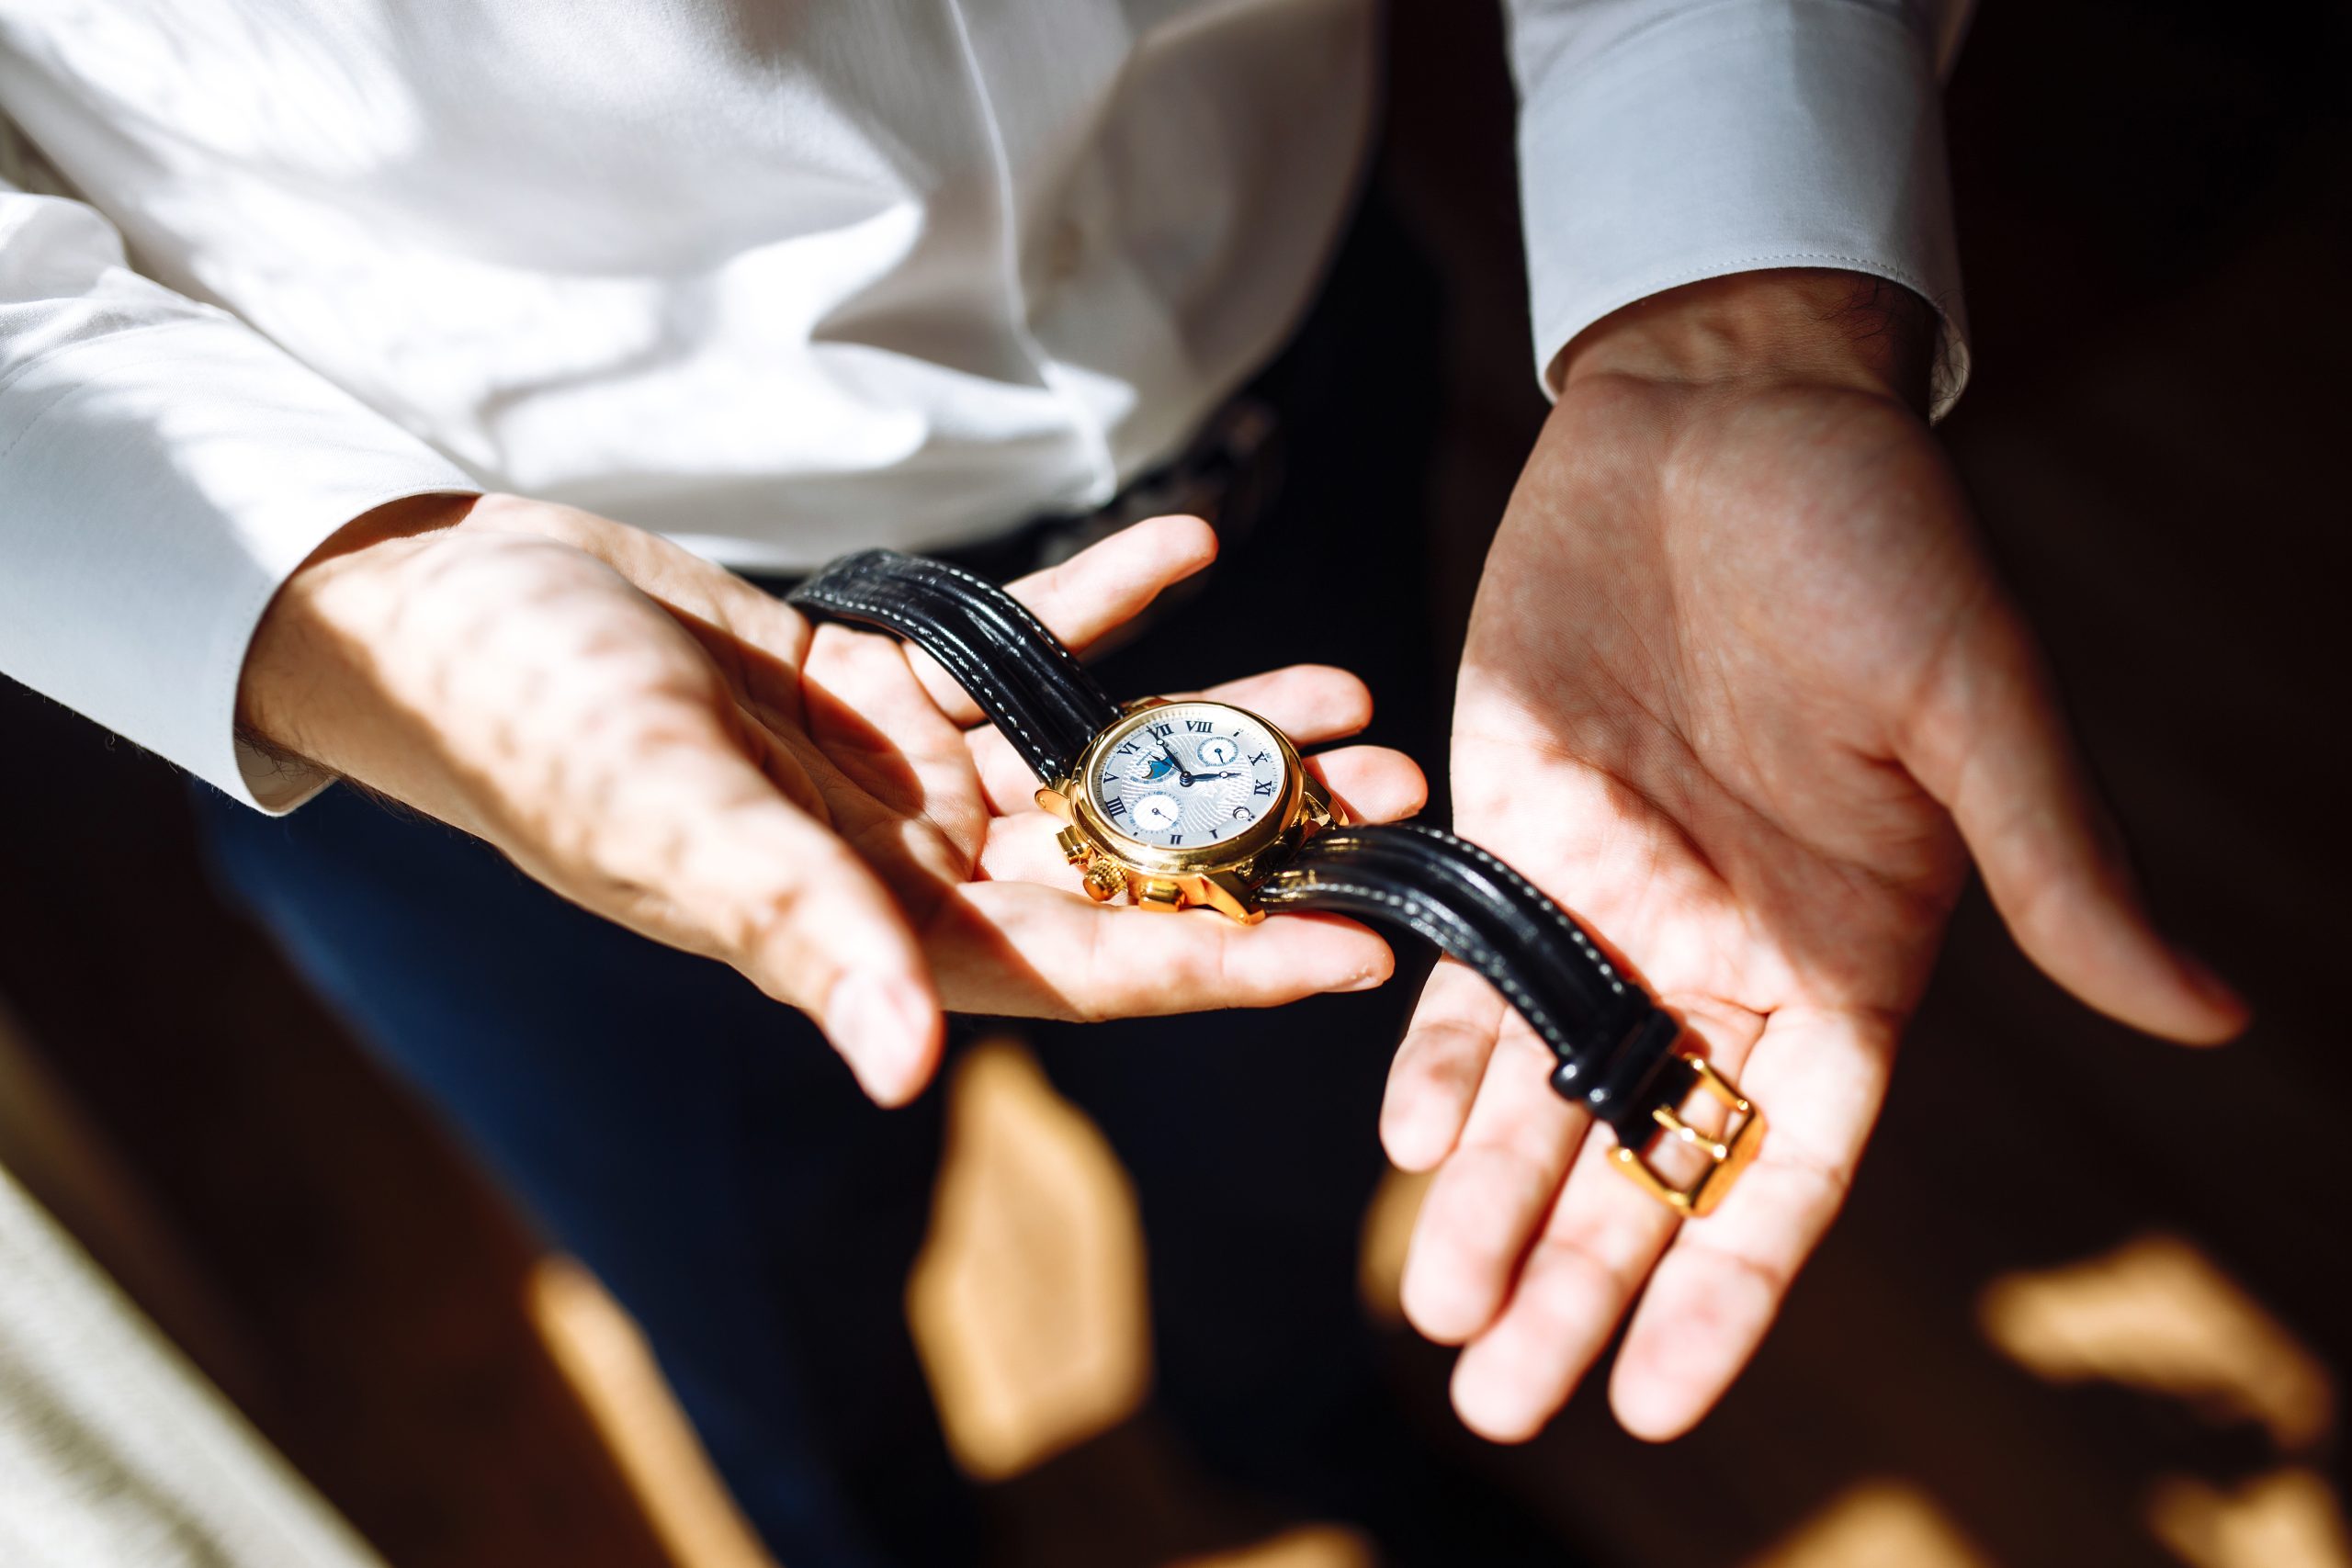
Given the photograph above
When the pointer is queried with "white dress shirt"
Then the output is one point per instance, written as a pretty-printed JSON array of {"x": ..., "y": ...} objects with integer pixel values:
[{"x": 775, "y": 279}]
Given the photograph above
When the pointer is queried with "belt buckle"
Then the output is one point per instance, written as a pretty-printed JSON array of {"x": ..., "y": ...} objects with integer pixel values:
[{"x": 1726, "y": 1157}]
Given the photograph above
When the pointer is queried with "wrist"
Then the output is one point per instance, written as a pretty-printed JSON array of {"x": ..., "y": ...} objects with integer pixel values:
[
  {"x": 1780, "y": 327},
  {"x": 294, "y": 645}
]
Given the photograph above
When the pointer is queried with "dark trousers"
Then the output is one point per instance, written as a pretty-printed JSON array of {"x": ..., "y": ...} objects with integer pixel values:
[{"x": 701, "y": 1148}]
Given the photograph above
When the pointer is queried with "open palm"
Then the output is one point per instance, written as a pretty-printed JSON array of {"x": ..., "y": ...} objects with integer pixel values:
[
  {"x": 942, "y": 807},
  {"x": 1741, "y": 692},
  {"x": 663, "y": 743}
]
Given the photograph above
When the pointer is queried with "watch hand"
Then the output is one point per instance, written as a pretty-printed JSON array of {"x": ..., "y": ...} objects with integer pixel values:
[{"x": 1182, "y": 776}]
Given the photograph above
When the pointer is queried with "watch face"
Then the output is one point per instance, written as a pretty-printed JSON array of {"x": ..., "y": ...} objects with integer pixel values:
[{"x": 1189, "y": 775}]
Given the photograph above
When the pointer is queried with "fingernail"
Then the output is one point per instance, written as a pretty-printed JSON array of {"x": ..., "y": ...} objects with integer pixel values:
[
  {"x": 882, "y": 1025},
  {"x": 1371, "y": 979}
]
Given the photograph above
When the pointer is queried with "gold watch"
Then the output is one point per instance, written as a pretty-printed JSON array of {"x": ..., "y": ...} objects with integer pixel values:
[{"x": 1182, "y": 803}]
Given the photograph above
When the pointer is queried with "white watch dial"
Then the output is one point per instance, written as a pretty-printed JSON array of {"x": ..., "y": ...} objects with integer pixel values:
[{"x": 1189, "y": 775}]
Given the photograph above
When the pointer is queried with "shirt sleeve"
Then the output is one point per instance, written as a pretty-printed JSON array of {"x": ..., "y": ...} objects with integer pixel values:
[
  {"x": 164, "y": 468},
  {"x": 1663, "y": 141}
]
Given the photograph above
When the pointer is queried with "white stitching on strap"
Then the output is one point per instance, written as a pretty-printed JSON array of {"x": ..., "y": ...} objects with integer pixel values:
[
  {"x": 971, "y": 675},
  {"x": 992, "y": 591},
  {"x": 1576, "y": 933},
  {"x": 1412, "y": 912}
]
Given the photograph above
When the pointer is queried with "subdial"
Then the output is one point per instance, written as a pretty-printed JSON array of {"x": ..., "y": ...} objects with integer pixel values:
[
  {"x": 1156, "y": 812},
  {"x": 1216, "y": 751}
]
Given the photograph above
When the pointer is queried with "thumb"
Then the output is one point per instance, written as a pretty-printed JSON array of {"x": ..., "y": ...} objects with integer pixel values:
[
  {"x": 746, "y": 875},
  {"x": 1988, "y": 740},
  {"x": 810, "y": 924}
]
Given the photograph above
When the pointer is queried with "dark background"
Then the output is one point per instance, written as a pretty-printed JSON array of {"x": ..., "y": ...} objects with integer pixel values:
[{"x": 2157, "y": 227}]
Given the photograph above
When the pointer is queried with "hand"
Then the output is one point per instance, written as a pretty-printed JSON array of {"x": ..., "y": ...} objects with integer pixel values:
[
  {"x": 1742, "y": 692},
  {"x": 666, "y": 744}
]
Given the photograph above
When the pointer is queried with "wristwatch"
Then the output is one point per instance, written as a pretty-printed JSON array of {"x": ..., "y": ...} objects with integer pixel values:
[{"x": 1196, "y": 803}]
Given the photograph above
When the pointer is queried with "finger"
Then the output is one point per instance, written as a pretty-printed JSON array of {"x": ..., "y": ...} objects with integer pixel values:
[
  {"x": 1025, "y": 951},
  {"x": 1094, "y": 591},
  {"x": 1598, "y": 1245},
  {"x": 1437, "y": 1069},
  {"x": 1490, "y": 1196},
  {"x": 1572, "y": 1289},
  {"x": 1373, "y": 783},
  {"x": 1378, "y": 785},
  {"x": 1312, "y": 703},
  {"x": 1822, "y": 1077},
  {"x": 1990, "y": 743},
  {"x": 871, "y": 718},
  {"x": 748, "y": 877}
]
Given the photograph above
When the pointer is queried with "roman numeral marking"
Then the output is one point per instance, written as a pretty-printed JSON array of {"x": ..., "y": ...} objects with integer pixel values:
[
  {"x": 1196, "y": 727},
  {"x": 1116, "y": 806},
  {"x": 1161, "y": 731},
  {"x": 1265, "y": 788},
  {"x": 1257, "y": 759}
]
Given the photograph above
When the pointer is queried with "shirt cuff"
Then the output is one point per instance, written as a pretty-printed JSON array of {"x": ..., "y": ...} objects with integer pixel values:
[
  {"x": 1733, "y": 138},
  {"x": 161, "y": 483}
]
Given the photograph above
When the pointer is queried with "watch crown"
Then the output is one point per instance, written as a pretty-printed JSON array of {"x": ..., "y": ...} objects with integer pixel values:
[
  {"x": 1074, "y": 848},
  {"x": 1104, "y": 881}
]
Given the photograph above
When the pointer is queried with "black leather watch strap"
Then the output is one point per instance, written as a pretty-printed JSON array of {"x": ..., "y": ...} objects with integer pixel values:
[
  {"x": 1019, "y": 672},
  {"x": 1615, "y": 1046}
]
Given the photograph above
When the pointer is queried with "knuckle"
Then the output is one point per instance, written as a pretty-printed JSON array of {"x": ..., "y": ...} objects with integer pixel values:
[
  {"x": 764, "y": 933},
  {"x": 1196, "y": 969},
  {"x": 776, "y": 914},
  {"x": 1773, "y": 1277},
  {"x": 1580, "y": 1268},
  {"x": 1094, "y": 1003}
]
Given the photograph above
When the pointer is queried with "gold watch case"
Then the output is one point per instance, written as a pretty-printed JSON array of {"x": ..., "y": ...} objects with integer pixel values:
[{"x": 1221, "y": 876}]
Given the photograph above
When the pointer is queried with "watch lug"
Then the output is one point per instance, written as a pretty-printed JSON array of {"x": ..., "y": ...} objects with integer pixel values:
[
  {"x": 1229, "y": 895},
  {"x": 1316, "y": 809},
  {"x": 1050, "y": 799},
  {"x": 1159, "y": 893}
]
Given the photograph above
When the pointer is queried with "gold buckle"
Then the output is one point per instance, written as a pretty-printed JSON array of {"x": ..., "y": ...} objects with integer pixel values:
[{"x": 1726, "y": 1157}]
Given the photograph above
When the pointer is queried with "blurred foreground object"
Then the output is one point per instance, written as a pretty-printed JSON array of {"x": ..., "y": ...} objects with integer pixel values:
[
  {"x": 1028, "y": 1303},
  {"x": 2156, "y": 1314},
  {"x": 1877, "y": 1523},
  {"x": 2284, "y": 1520},
  {"x": 603, "y": 1355},
  {"x": 113, "y": 1449},
  {"x": 1029, "y": 1307}
]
